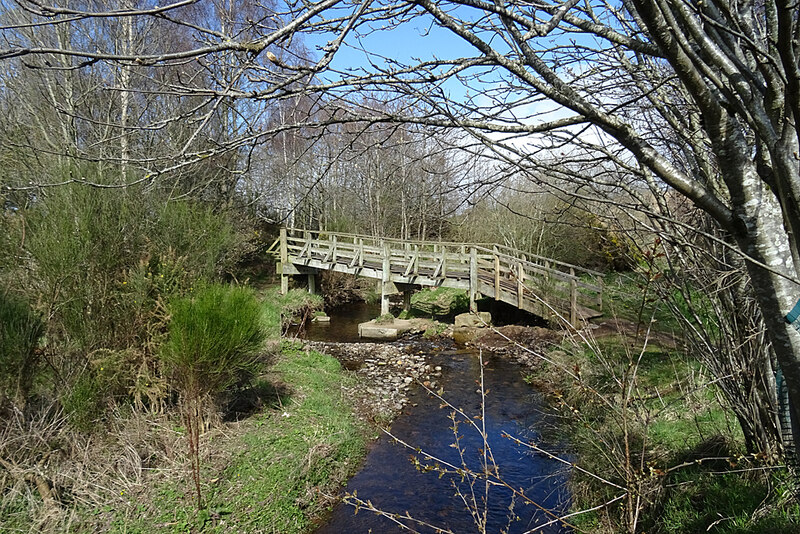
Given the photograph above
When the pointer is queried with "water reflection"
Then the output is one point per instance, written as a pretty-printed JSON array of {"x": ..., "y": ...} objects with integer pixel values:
[{"x": 343, "y": 326}]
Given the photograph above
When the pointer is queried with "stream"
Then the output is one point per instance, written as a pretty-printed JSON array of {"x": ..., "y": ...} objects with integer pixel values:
[{"x": 390, "y": 481}]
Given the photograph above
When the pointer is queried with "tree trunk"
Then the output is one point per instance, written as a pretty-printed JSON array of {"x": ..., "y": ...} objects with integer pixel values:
[{"x": 776, "y": 292}]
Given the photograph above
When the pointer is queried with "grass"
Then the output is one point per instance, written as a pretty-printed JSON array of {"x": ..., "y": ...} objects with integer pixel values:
[
  {"x": 622, "y": 299},
  {"x": 292, "y": 458},
  {"x": 673, "y": 418},
  {"x": 730, "y": 504},
  {"x": 273, "y": 472}
]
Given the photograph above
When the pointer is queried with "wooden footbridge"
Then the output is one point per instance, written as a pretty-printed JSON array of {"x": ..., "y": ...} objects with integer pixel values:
[{"x": 538, "y": 285}]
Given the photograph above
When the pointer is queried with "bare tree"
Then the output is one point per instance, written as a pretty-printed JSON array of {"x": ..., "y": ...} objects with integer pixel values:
[{"x": 699, "y": 97}]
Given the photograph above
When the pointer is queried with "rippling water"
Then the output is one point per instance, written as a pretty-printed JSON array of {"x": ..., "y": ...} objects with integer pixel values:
[{"x": 391, "y": 482}]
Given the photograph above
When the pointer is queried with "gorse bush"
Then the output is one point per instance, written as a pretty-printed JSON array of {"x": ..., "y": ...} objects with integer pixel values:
[
  {"x": 103, "y": 263},
  {"x": 82, "y": 241},
  {"x": 87, "y": 244},
  {"x": 83, "y": 402},
  {"x": 213, "y": 342},
  {"x": 214, "y": 336},
  {"x": 21, "y": 328}
]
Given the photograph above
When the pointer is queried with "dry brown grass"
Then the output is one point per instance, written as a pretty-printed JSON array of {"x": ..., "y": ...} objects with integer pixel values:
[{"x": 51, "y": 473}]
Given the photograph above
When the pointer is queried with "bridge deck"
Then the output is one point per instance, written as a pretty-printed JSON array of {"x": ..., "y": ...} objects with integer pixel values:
[{"x": 539, "y": 285}]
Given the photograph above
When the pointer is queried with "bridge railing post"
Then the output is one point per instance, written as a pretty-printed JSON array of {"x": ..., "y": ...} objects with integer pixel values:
[
  {"x": 520, "y": 285},
  {"x": 473, "y": 279},
  {"x": 386, "y": 278},
  {"x": 573, "y": 298},
  {"x": 496, "y": 253},
  {"x": 284, "y": 262}
]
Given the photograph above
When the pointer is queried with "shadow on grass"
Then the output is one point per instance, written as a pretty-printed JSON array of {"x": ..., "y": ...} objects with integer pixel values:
[{"x": 248, "y": 401}]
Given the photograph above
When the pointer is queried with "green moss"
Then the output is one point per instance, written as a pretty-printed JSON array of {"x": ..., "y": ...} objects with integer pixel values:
[
  {"x": 386, "y": 318},
  {"x": 439, "y": 302}
]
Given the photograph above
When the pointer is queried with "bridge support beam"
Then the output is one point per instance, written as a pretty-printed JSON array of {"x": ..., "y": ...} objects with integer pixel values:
[
  {"x": 407, "y": 300},
  {"x": 312, "y": 283}
]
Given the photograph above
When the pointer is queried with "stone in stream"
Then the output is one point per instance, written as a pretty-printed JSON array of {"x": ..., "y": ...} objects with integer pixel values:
[
  {"x": 373, "y": 331},
  {"x": 473, "y": 321}
]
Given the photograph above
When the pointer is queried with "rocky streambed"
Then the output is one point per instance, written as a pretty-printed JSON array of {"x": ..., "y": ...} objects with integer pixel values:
[
  {"x": 388, "y": 390},
  {"x": 387, "y": 372}
]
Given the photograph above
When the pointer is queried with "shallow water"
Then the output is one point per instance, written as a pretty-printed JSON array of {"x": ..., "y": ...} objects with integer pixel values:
[
  {"x": 391, "y": 482},
  {"x": 343, "y": 327}
]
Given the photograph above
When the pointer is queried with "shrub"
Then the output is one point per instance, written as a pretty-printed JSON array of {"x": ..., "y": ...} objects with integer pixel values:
[
  {"x": 20, "y": 331},
  {"x": 93, "y": 250},
  {"x": 83, "y": 402},
  {"x": 214, "y": 337}
]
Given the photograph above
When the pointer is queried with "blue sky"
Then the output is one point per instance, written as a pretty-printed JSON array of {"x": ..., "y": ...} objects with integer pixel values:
[
  {"x": 419, "y": 40},
  {"x": 407, "y": 43}
]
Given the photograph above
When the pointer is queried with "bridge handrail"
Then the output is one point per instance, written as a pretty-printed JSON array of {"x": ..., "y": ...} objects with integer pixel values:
[
  {"x": 354, "y": 244},
  {"x": 485, "y": 247},
  {"x": 495, "y": 270}
]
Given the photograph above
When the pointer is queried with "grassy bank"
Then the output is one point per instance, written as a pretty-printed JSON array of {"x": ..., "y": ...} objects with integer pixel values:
[
  {"x": 270, "y": 472},
  {"x": 657, "y": 450}
]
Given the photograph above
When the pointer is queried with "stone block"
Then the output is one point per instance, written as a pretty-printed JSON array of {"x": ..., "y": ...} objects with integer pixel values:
[
  {"x": 472, "y": 320},
  {"x": 371, "y": 330}
]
